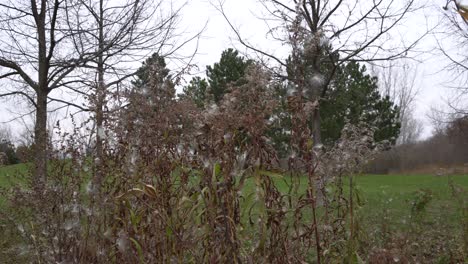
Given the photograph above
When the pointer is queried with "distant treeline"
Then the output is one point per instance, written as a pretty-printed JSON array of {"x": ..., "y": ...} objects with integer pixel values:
[{"x": 446, "y": 149}]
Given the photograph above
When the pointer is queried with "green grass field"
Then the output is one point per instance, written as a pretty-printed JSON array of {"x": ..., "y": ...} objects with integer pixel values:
[
  {"x": 386, "y": 211},
  {"x": 392, "y": 197},
  {"x": 390, "y": 192},
  {"x": 396, "y": 192},
  {"x": 8, "y": 173}
]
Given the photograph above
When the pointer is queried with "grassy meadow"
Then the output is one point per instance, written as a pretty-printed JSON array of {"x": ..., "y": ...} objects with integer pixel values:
[
  {"x": 420, "y": 214},
  {"x": 391, "y": 196}
]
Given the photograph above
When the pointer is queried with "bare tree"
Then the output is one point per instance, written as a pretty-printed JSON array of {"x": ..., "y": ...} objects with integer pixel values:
[
  {"x": 440, "y": 116},
  {"x": 122, "y": 34},
  {"x": 411, "y": 129},
  {"x": 452, "y": 44},
  {"x": 5, "y": 133},
  {"x": 72, "y": 46},
  {"x": 36, "y": 59},
  {"x": 325, "y": 34},
  {"x": 398, "y": 82}
]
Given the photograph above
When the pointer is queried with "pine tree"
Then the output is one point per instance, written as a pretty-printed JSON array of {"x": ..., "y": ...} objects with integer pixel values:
[
  {"x": 353, "y": 97},
  {"x": 153, "y": 79},
  {"x": 230, "y": 69},
  {"x": 228, "y": 72},
  {"x": 197, "y": 90}
]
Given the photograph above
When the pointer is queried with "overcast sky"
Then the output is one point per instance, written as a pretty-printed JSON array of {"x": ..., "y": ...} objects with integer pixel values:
[{"x": 244, "y": 14}]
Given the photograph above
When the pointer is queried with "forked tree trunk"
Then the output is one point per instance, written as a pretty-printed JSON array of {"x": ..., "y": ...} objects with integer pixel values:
[{"x": 40, "y": 128}]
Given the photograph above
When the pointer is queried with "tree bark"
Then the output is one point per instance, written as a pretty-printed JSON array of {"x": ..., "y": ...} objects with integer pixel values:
[
  {"x": 40, "y": 137},
  {"x": 40, "y": 129},
  {"x": 316, "y": 125}
]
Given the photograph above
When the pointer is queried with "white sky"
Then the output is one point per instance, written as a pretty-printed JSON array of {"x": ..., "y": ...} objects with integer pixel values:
[{"x": 218, "y": 37}]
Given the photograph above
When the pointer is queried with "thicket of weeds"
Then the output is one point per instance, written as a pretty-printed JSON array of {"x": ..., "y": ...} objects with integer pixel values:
[{"x": 174, "y": 190}]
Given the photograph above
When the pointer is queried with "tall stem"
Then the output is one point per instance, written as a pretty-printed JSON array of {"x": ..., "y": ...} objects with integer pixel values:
[{"x": 100, "y": 100}]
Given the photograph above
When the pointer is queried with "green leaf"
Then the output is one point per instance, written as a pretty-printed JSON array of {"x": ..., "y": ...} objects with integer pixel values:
[
  {"x": 271, "y": 174},
  {"x": 168, "y": 231},
  {"x": 216, "y": 169},
  {"x": 139, "y": 250},
  {"x": 310, "y": 144},
  {"x": 356, "y": 259}
]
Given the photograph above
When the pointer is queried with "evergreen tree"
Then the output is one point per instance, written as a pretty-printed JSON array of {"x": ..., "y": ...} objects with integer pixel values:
[
  {"x": 9, "y": 150},
  {"x": 197, "y": 90},
  {"x": 280, "y": 121},
  {"x": 229, "y": 71},
  {"x": 353, "y": 97},
  {"x": 153, "y": 78}
]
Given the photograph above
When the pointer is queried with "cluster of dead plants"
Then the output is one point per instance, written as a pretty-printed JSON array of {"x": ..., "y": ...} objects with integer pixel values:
[{"x": 184, "y": 185}]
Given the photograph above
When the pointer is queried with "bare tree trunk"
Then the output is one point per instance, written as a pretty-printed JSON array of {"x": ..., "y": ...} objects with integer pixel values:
[
  {"x": 40, "y": 140},
  {"x": 316, "y": 120},
  {"x": 40, "y": 130}
]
